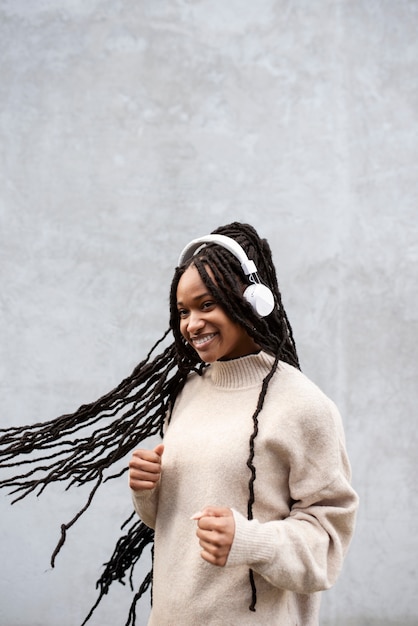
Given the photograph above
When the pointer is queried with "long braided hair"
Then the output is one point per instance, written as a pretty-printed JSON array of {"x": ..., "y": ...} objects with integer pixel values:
[{"x": 85, "y": 446}]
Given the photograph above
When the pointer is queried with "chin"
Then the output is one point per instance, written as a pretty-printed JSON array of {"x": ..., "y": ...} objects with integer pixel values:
[{"x": 208, "y": 359}]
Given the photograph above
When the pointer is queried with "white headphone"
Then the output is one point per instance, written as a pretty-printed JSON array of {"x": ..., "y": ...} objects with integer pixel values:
[{"x": 258, "y": 295}]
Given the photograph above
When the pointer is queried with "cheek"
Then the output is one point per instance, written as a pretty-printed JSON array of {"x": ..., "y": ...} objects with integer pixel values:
[{"x": 183, "y": 328}]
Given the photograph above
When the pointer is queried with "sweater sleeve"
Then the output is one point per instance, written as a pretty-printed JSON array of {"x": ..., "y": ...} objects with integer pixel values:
[
  {"x": 304, "y": 552},
  {"x": 146, "y": 504}
]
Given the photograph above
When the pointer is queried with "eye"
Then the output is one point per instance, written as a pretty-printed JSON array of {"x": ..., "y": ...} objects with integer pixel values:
[
  {"x": 208, "y": 305},
  {"x": 182, "y": 313}
]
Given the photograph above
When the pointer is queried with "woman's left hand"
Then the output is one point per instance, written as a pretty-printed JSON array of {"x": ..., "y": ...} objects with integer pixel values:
[{"x": 216, "y": 530}]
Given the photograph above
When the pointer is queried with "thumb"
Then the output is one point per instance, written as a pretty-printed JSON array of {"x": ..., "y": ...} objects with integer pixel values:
[{"x": 159, "y": 449}]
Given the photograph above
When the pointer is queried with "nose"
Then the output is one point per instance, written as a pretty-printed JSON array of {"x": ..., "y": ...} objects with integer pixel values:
[{"x": 195, "y": 323}]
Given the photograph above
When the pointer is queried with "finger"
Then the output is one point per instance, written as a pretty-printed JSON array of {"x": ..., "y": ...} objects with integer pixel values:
[
  {"x": 142, "y": 480},
  {"x": 146, "y": 455},
  {"x": 212, "y": 511},
  {"x": 215, "y": 545},
  {"x": 216, "y": 524},
  {"x": 219, "y": 561},
  {"x": 141, "y": 485},
  {"x": 142, "y": 465},
  {"x": 216, "y": 535},
  {"x": 214, "y": 555},
  {"x": 140, "y": 475}
]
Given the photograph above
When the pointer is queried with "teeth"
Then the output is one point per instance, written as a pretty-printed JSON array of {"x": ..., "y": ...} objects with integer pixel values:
[{"x": 198, "y": 341}]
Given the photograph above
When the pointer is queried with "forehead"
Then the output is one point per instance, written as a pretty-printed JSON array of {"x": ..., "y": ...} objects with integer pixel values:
[{"x": 191, "y": 285}]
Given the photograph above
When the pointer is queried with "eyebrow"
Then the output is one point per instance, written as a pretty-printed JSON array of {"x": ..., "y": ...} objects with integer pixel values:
[{"x": 196, "y": 298}]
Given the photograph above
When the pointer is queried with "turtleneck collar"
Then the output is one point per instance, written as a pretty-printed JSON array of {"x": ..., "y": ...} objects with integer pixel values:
[{"x": 247, "y": 371}]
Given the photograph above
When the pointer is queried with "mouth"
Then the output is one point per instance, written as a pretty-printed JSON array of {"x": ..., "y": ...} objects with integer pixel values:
[{"x": 201, "y": 340}]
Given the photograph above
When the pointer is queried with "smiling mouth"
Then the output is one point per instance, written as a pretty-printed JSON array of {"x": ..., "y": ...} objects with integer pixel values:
[{"x": 200, "y": 341}]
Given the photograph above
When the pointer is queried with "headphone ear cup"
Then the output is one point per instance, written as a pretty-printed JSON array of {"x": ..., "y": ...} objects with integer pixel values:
[{"x": 261, "y": 299}]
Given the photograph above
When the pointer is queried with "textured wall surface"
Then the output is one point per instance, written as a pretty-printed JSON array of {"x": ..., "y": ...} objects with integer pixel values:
[{"x": 128, "y": 128}]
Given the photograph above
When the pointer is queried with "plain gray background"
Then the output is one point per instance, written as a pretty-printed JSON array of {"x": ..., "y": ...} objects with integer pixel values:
[{"x": 128, "y": 128}]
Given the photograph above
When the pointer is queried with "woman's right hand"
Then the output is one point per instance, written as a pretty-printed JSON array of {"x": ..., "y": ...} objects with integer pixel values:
[{"x": 145, "y": 468}]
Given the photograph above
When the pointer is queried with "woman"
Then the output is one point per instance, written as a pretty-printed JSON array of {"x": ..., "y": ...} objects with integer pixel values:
[
  {"x": 253, "y": 452},
  {"x": 249, "y": 493}
]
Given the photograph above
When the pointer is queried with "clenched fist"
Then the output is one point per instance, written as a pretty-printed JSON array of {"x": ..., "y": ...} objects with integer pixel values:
[
  {"x": 216, "y": 531},
  {"x": 145, "y": 468}
]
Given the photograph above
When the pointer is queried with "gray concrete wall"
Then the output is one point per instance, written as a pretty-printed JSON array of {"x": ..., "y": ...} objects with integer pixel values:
[{"x": 128, "y": 128}]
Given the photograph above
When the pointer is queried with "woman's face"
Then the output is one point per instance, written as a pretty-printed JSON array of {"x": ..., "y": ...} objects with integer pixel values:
[{"x": 205, "y": 325}]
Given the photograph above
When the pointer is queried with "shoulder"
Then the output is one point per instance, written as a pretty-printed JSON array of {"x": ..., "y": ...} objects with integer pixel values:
[
  {"x": 289, "y": 379},
  {"x": 302, "y": 400}
]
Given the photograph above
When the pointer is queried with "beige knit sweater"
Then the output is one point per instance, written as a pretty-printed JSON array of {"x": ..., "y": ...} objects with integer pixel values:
[{"x": 304, "y": 509}]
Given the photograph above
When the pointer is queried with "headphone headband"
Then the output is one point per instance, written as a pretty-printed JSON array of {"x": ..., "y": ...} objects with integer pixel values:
[
  {"x": 226, "y": 242},
  {"x": 259, "y": 296}
]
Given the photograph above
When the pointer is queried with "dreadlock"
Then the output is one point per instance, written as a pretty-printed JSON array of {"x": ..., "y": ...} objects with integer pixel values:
[{"x": 81, "y": 447}]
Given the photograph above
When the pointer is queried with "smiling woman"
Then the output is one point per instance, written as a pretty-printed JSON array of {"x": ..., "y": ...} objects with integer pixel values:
[
  {"x": 247, "y": 498},
  {"x": 205, "y": 325},
  {"x": 265, "y": 541}
]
